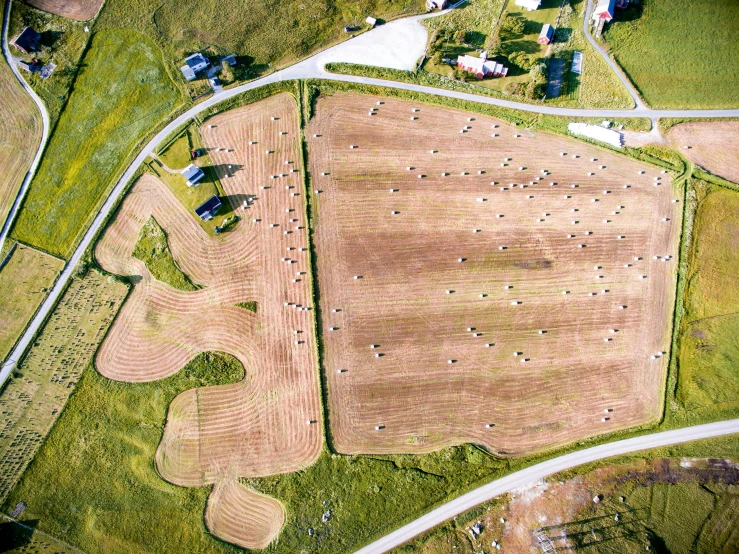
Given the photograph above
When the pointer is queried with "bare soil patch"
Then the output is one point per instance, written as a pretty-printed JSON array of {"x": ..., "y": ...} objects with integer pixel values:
[
  {"x": 554, "y": 371},
  {"x": 270, "y": 422},
  {"x": 79, "y": 10},
  {"x": 714, "y": 145}
]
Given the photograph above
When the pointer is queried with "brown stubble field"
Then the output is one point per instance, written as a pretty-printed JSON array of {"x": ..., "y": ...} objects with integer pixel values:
[
  {"x": 557, "y": 389},
  {"x": 270, "y": 422},
  {"x": 714, "y": 145},
  {"x": 79, "y": 10}
]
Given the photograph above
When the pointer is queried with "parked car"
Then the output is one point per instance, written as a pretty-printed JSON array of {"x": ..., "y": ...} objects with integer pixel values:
[
  {"x": 214, "y": 82},
  {"x": 196, "y": 153}
]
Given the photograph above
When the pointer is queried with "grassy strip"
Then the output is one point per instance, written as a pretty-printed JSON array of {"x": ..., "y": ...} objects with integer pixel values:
[
  {"x": 95, "y": 138},
  {"x": 93, "y": 481},
  {"x": 424, "y": 78},
  {"x": 152, "y": 248},
  {"x": 679, "y": 61},
  {"x": 251, "y": 305}
]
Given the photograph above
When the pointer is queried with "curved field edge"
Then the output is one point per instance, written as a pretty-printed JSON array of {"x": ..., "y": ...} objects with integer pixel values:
[
  {"x": 78, "y": 10},
  {"x": 20, "y": 134},
  {"x": 354, "y": 482},
  {"x": 98, "y": 131}
]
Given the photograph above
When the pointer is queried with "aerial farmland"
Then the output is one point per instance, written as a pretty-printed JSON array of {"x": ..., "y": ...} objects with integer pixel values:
[{"x": 481, "y": 283}]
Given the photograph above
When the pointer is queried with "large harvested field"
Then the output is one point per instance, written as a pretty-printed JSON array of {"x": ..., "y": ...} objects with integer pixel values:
[
  {"x": 20, "y": 132},
  {"x": 453, "y": 313},
  {"x": 713, "y": 145},
  {"x": 79, "y": 10},
  {"x": 25, "y": 276},
  {"x": 271, "y": 421}
]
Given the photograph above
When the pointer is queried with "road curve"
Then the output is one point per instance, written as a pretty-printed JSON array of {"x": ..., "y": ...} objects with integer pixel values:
[
  {"x": 44, "y": 134},
  {"x": 614, "y": 66},
  {"x": 540, "y": 471}
]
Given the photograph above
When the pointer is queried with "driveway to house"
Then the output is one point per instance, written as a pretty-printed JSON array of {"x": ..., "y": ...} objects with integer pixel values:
[
  {"x": 13, "y": 63},
  {"x": 536, "y": 472}
]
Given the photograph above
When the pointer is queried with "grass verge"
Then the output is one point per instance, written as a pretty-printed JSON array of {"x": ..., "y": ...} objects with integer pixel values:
[{"x": 96, "y": 134}]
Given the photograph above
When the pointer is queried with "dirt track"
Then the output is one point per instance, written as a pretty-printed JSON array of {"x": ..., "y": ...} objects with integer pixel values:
[
  {"x": 406, "y": 261},
  {"x": 714, "y": 145},
  {"x": 260, "y": 426}
]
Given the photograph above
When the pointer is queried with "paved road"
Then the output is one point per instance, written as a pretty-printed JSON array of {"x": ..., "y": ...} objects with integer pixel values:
[
  {"x": 44, "y": 134},
  {"x": 540, "y": 471},
  {"x": 614, "y": 66}
]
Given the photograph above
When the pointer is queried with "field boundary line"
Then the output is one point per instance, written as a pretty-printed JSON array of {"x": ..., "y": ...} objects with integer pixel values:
[{"x": 25, "y": 185}]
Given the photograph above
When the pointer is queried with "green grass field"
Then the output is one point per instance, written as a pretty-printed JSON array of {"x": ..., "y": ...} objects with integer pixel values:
[
  {"x": 24, "y": 281},
  {"x": 708, "y": 354},
  {"x": 680, "y": 53},
  {"x": 152, "y": 248},
  {"x": 93, "y": 482},
  {"x": 120, "y": 95}
]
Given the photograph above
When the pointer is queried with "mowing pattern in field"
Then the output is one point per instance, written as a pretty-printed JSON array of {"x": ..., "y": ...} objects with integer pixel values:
[
  {"x": 25, "y": 276},
  {"x": 20, "y": 132},
  {"x": 452, "y": 312},
  {"x": 79, "y": 10},
  {"x": 713, "y": 145},
  {"x": 31, "y": 402},
  {"x": 270, "y": 422}
]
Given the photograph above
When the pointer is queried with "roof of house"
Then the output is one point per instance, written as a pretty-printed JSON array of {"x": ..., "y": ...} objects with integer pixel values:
[
  {"x": 528, "y": 4},
  {"x": 195, "y": 60},
  {"x": 193, "y": 173},
  {"x": 188, "y": 73},
  {"x": 27, "y": 40},
  {"x": 213, "y": 203},
  {"x": 604, "y": 7},
  {"x": 547, "y": 31},
  {"x": 479, "y": 65}
]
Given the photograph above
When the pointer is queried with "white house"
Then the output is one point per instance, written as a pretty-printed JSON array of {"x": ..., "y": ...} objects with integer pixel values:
[
  {"x": 481, "y": 67},
  {"x": 530, "y": 5},
  {"x": 195, "y": 64},
  {"x": 192, "y": 174}
]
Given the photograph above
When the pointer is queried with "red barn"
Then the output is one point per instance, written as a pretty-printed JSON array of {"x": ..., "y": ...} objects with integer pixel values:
[{"x": 547, "y": 34}]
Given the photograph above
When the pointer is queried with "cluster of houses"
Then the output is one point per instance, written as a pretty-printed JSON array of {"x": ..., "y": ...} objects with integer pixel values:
[
  {"x": 197, "y": 63},
  {"x": 481, "y": 67},
  {"x": 28, "y": 42},
  {"x": 193, "y": 175}
]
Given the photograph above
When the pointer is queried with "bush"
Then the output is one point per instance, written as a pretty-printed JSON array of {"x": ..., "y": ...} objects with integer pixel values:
[
  {"x": 460, "y": 36},
  {"x": 437, "y": 58},
  {"x": 492, "y": 43},
  {"x": 523, "y": 60},
  {"x": 538, "y": 83},
  {"x": 513, "y": 26},
  {"x": 227, "y": 73}
]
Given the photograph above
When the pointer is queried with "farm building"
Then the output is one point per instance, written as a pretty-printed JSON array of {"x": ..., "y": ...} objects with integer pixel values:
[
  {"x": 209, "y": 208},
  {"x": 371, "y": 21},
  {"x": 230, "y": 60},
  {"x": 437, "y": 4},
  {"x": 622, "y": 4},
  {"x": 27, "y": 40},
  {"x": 530, "y": 5},
  {"x": 194, "y": 65},
  {"x": 577, "y": 63},
  {"x": 604, "y": 10},
  {"x": 481, "y": 67},
  {"x": 609, "y": 136},
  {"x": 192, "y": 174},
  {"x": 32, "y": 66},
  {"x": 547, "y": 34}
]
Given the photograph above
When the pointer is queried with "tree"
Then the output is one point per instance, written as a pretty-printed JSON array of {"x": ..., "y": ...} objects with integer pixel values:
[
  {"x": 513, "y": 26},
  {"x": 436, "y": 58},
  {"x": 523, "y": 60},
  {"x": 460, "y": 36},
  {"x": 492, "y": 43},
  {"x": 227, "y": 73},
  {"x": 538, "y": 76}
]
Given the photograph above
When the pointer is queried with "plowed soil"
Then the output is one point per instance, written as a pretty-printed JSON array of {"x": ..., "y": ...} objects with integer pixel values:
[
  {"x": 714, "y": 145},
  {"x": 79, "y": 10},
  {"x": 270, "y": 422},
  {"x": 579, "y": 353}
]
